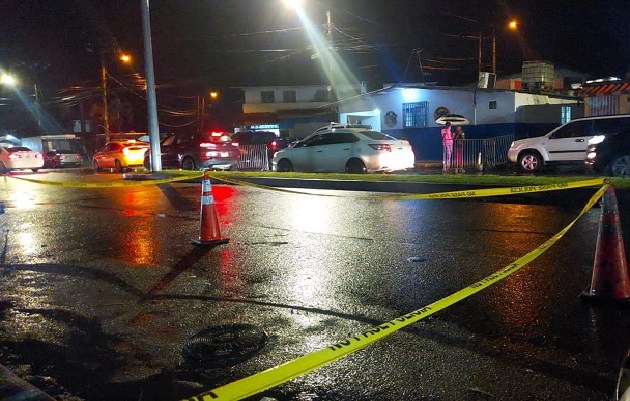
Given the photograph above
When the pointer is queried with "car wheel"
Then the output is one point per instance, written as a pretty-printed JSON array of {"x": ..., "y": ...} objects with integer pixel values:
[
  {"x": 530, "y": 162},
  {"x": 188, "y": 164},
  {"x": 355, "y": 166},
  {"x": 96, "y": 167},
  {"x": 117, "y": 166},
  {"x": 285, "y": 166},
  {"x": 620, "y": 167}
]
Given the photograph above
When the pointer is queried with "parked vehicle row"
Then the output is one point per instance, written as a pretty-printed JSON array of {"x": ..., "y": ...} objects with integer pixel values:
[{"x": 600, "y": 143}]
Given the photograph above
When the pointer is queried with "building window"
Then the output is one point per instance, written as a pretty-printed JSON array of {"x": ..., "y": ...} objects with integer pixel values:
[
  {"x": 267, "y": 96},
  {"x": 415, "y": 115},
  {"x": 566, "y": 114},
  {"x": 492, "y": 105},
  {"x": 289, "y": 96},
  {"x": 321, "y": 95}
]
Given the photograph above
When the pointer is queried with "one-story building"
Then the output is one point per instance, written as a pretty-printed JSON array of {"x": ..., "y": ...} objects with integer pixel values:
[{"x": 411, "y": 112}]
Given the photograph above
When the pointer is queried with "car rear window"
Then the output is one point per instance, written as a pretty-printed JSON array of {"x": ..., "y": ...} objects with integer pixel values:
[
  {"x": 254, "y": 138},
  {"x": 18, "y": 149},
  {"x": 378, "y": 136}
]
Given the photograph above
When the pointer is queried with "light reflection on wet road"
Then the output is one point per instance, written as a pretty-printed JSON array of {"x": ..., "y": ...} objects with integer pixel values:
[{"x": 311, "y": 270}]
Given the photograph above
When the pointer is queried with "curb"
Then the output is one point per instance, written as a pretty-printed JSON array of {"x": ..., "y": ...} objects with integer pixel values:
[{"x": 13, "y": 388}]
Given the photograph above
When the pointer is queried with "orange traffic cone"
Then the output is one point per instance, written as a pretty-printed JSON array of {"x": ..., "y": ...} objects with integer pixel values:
[
  {"x": 210, "y": 233},
  {"x": 610, "y": 270}
]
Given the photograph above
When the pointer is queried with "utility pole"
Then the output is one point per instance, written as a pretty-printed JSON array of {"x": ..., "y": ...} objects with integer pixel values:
[
  {"x": 494, "y": 51},
  {"x": 479, "y": 66},
  {"x": 154, "y": 128},
  {"x": 331, "y": 95},
  {"x": 105, "y": 111}
]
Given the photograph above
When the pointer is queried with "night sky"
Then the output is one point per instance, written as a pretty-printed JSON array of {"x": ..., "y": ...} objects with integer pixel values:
[{"x": 209, "y": 44}]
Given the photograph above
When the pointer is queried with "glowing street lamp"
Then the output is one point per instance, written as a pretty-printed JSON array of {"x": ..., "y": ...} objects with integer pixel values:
[
  {"x": 125, "y": 58},
  {"x": 8, "y": 80},
  {"x": 513, "y": 25},
  {"x": 295, "y": 4}
]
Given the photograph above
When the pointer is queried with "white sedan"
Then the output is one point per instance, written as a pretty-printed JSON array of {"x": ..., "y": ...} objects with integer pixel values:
[
  {"x": 346, "y": 149},
  {"x": 19, "y": 158}
]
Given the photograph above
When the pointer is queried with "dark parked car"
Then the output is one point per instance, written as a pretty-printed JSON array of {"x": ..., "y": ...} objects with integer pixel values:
[
  {"x": 197, "y": 152},
  {"x": 610, "y": 155},
  {"x": 62, "y": 158}
]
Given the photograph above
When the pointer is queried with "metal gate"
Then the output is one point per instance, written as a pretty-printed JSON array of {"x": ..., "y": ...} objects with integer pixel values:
[{"x": 254, "y": 157}]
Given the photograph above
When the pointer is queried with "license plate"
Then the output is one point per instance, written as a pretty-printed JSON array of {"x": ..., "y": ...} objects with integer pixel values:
[{"x": 225, "y": 154}]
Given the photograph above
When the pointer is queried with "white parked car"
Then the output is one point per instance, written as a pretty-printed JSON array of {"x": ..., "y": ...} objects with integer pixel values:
[
  {"x": 346, "y": 148},
  {"x": 565, "y": 144},
  {"x": 19, "y": 158}
]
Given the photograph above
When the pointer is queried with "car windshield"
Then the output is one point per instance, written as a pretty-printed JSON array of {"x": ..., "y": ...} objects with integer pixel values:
[
  {"x": 18, "y": 149},
  {"x": 379, "y": 136}
]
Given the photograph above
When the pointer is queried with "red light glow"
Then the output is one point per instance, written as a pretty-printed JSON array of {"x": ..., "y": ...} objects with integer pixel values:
[{"x": 383, "y": 147}]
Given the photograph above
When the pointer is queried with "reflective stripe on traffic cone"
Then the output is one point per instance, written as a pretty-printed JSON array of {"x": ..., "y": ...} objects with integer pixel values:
[
  {"x": 210, "y": 233},
  {"x": 610, "y": 270}
]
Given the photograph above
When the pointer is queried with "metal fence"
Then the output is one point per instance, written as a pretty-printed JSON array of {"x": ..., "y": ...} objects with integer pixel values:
[
  {"x": 477, "y": 153},
  {"x": 254, "y": 157}
]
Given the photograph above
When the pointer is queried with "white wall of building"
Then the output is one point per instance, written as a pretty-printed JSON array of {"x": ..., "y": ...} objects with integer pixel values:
[{"x": 478, "y": 106}]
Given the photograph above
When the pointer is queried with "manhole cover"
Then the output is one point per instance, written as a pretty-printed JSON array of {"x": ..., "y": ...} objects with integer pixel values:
[{"x": 223, "y": 345}]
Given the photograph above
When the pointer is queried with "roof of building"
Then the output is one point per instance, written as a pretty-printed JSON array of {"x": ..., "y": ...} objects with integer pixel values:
[{"x": 604, "y": 89}]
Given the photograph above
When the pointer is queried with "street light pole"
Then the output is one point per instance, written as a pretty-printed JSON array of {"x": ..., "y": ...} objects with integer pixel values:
[{"x": 154, "y": 129}]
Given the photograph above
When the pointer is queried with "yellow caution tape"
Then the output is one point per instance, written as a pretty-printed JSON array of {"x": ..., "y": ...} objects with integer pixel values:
[
  {"x": 472, "y": 193},
  {"x": 130, "y": 183},
  {"x": 280, "y": 374}
]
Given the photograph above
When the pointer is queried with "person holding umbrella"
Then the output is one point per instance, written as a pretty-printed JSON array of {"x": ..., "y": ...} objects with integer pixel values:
[
  {"x": 447, "y": 145},
  {"x": 459, "y": 137}
]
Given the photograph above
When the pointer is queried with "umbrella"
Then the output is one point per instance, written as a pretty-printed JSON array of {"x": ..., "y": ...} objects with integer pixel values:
[{"x": 454, "y": 119}]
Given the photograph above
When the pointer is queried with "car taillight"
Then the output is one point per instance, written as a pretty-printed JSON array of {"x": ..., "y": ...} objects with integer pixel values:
[
  {"x": 14, "y": 156},
  {"x": 383, "y": 147},
  {"x": 125, "y": 151},
  {"x": 216, "y": 134},
  {"x": 207, "y": 145},
  {"x": 235, "y": 144},
  {"x": 38, "y": 155},
  {"x": 273, "y": 145}
]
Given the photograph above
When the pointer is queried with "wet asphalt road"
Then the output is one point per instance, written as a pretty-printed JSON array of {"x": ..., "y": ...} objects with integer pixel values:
[{"x": 102, "y": 287}]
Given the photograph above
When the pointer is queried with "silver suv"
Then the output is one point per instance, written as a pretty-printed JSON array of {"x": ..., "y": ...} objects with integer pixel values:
[{"x": 565, "y": 144}]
